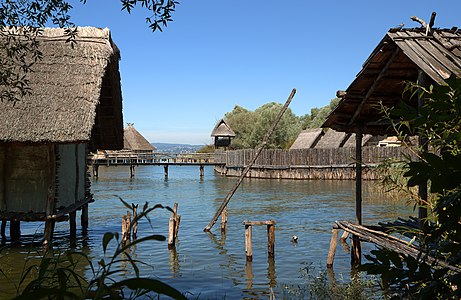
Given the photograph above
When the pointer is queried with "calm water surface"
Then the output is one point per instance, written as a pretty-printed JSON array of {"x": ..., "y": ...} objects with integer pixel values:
[{"x": 212, "y": 265}]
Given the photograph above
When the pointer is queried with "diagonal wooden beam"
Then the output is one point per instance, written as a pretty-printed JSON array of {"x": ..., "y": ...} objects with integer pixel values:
[{"x": 373, "y": 86}]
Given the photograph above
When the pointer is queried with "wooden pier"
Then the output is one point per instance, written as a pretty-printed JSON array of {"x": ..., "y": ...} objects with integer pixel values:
[{"x": 133, "y": 159}]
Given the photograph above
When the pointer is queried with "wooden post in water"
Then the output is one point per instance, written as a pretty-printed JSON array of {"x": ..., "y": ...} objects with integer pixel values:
[
  {"x": 202, "y": 171},
  {"x": 3, "y": 229},
  {"x": 271, "y": 238},
  {"x": 173, "y": 227},
  {"x": 248, "y": 246},
  {"x": 15, "y": 230},
  {"x": 50, "y": 203},
  {"x": 356, "y": 252},
  {"x": 132, "y": 170},
  {"x": 95, "y": 170},
  {"x": 165, "y": 171},
  {"x": 126, "y": 230},
  {"x": 73, "y": 224},
  {"x": 332, "y": 251},
  {"x": 135, "y": 223},
  {"x": 84, "y": 218},
  {"x": 224, "y": 220}
]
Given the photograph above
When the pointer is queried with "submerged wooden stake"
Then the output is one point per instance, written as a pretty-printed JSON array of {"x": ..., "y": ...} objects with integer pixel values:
[
  {"x": 248, "y": 246},
  {"x": 224, "y": 220},
  {"x": 270, "y": 238},
  {"x": 126, "y": 228},
  {"x": 73, "y": 224},
  {"x": 135, "y": 223},
  {"x": 332, "y": 251},
  {"x": 84, "y": 218},
  {"x": 247, "y": 168},
  {"x": 173, "y": 227}
]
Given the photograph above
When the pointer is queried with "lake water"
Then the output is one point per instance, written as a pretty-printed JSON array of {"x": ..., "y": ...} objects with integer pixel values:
[{"x": 210, "y": 265}]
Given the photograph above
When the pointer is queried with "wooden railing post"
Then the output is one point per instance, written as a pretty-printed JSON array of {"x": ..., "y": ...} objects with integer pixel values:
[
  {"x": 271, "y": 239},
  {"x": 248, "y": 246}
]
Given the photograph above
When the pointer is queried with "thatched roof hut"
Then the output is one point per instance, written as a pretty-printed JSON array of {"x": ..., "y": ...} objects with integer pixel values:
[
  {"x": 75, "y": 106},
  {"x": 308, "y": 138},
  {"x": 400, "y": 56},
  {"x": 134, "y": 141},
  {"x": 75, "y": 93},
  {"x": 332, "y": 139},
  {"x": 222, "y": 134}
]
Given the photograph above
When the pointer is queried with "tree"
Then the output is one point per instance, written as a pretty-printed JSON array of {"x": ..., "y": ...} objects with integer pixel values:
[
  {"x": 438, "y": 122},
  {"x": 20, "y": 23}
]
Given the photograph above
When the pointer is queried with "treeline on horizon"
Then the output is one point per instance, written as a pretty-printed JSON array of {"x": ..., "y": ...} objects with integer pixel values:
[{"x": 251, "y": 126}]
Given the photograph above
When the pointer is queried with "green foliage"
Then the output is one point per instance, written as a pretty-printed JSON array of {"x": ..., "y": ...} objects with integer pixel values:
[
  {"x": 206, "y": 149},
  {"x": 57, "y": 274},
  {"x": 439, "y": 123},
  {"x": 251, "y": 126},
  {"x": 20, "y": 23},
  {"x": 323, "y": 285}
]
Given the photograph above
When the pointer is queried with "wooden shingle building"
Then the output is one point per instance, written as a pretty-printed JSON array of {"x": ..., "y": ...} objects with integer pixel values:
[{"x": 75, "y": 106}]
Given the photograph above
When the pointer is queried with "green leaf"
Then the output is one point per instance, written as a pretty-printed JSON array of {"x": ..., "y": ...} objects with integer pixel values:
[
  {"x": 151, "y": 285},
  {"x": 108, "y": 236}
]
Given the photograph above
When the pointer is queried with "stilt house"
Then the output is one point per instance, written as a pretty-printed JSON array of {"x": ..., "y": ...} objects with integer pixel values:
[
  {"x": 75, "y": 106},
  {"x": 425, "y": 55}
]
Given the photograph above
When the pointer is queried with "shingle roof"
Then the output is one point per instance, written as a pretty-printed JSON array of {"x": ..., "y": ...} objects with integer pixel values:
[{"x": 397, "y": 58}]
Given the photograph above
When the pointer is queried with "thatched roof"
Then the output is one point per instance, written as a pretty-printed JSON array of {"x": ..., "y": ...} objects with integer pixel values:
[
  {"x": 332, "y": 139},
  {"x": 133, "y": 140},
  {"x": 222, "y": 129},
  {"x": 76, "y": 94},
  {"x": 400, "y": 55},
  {"x": 366, "y": 139},
  {"x": 308, "y": 138}
]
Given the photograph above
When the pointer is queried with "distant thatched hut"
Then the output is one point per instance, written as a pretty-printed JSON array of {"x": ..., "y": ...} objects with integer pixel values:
[
  {"x": 135, "y": 142},
  {"x": 308, "y": 138},
  {"x": 222, "y": 134},
  {"x": 75, "y": 106}
]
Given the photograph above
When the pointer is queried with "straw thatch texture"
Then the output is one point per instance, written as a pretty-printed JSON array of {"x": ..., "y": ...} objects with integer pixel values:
[
  {"x": 222, "y": 129},
  {"x": 332, "y": 139},
  {"x": 308, "y": 138},
  {"x": 133, "y": 140},
  {"x": 76, "y": 94},
  {"x": 399, "y": 57}
]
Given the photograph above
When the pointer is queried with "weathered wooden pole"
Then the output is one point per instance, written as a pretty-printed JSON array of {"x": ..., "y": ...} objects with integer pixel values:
[
  {"x": 73, "y": 224},
  {"x": 248, "y": 246},
  {"x": 165, "y": 170},
  {"x": 84, "y": 218},
  {"x": 135, "y": 223},
  {"x": 202, "y": 171},
  {"x": 95, "y": 168},
  {"x": 332, "y": 251},
  {"x": 423, "y": 145},
  {"x": 126, "y": 228},
  {"x": 15, "y": 230},
  {"x": 224, "y": 220},
  {"x": 271, "y": 238},
  {"x": 132, "y": 171},
  {"x": 173, "y": 227},
  {"x": 247, "y": 168},
  {"x": 356, "y": 252},
  {"x": 50, "y": 203}
]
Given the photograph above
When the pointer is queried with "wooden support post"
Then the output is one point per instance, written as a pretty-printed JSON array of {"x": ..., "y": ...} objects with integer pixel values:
[
  {"x": 249, "y": 273},
  {"x": 248, "y": 246},
  {"x": 49, "y": 230},
  {"x": 165, "y": 171},
  {"x": 15, "y": 230},
  {"x": 202, "y": 171},
  {"x": 84, "y": 219},
  {"x": 271, "y": 239},
  {"x": 95, "y": 170},
  {"x": 171, "y": 229},
  {"x": 356, "y": 252},
  {"x": 224, "y": 220},
  {"x": 332, "y": 251},
  {"x": 132, "y": 170},
  {"x": 423, "y": 144},
  {"x": 72, "y": 224},
  {"x": 3, "y": 230},
  {"x": 271, "y": 271}
]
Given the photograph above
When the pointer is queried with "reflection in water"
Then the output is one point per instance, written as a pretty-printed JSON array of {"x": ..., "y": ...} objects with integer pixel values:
[
  {"x": 174, "y": 262},
  {"x": 249, "y": 274},
  {"x": 271, "y": 271}
]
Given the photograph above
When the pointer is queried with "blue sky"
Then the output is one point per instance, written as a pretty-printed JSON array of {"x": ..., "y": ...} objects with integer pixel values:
[{"x": 216, "y": 54}]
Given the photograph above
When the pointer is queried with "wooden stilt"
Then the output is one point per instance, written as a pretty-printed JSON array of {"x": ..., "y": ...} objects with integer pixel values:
[
  {"x": 248, "y": 246},
  {"x": 15, "y": 230},
  {"x": 84, "y": 219},
  {"x": 224, "y": 220},
  {"x": 95, "y": 170},
  {"x": 332, "y": 251},
  {"x": 271, "y": 240},
  {"x": 249, "y": 273},
  {"x": 73, "y": 224},
  {"x": 3, "y": 230},
  {"x": 271, "y": 271},
  {"x": 171, "y": 229},
  {"x": 126, "y": 229},
  {"x": 132, "y": 170},
  {"x": 49, "y": 230},
  {"x": 202, "y": 171},
  {"x": 344, "y": 236},
  {"x": 356, "y": 247},
  {"x": 165, "y": 171}
]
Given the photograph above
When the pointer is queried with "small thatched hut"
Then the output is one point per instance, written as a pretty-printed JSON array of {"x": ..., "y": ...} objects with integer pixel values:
[
  {"x": 222, "y": 134},
  {"x": 134, "y": 141},
  {"x": 75, "y": 106}
]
